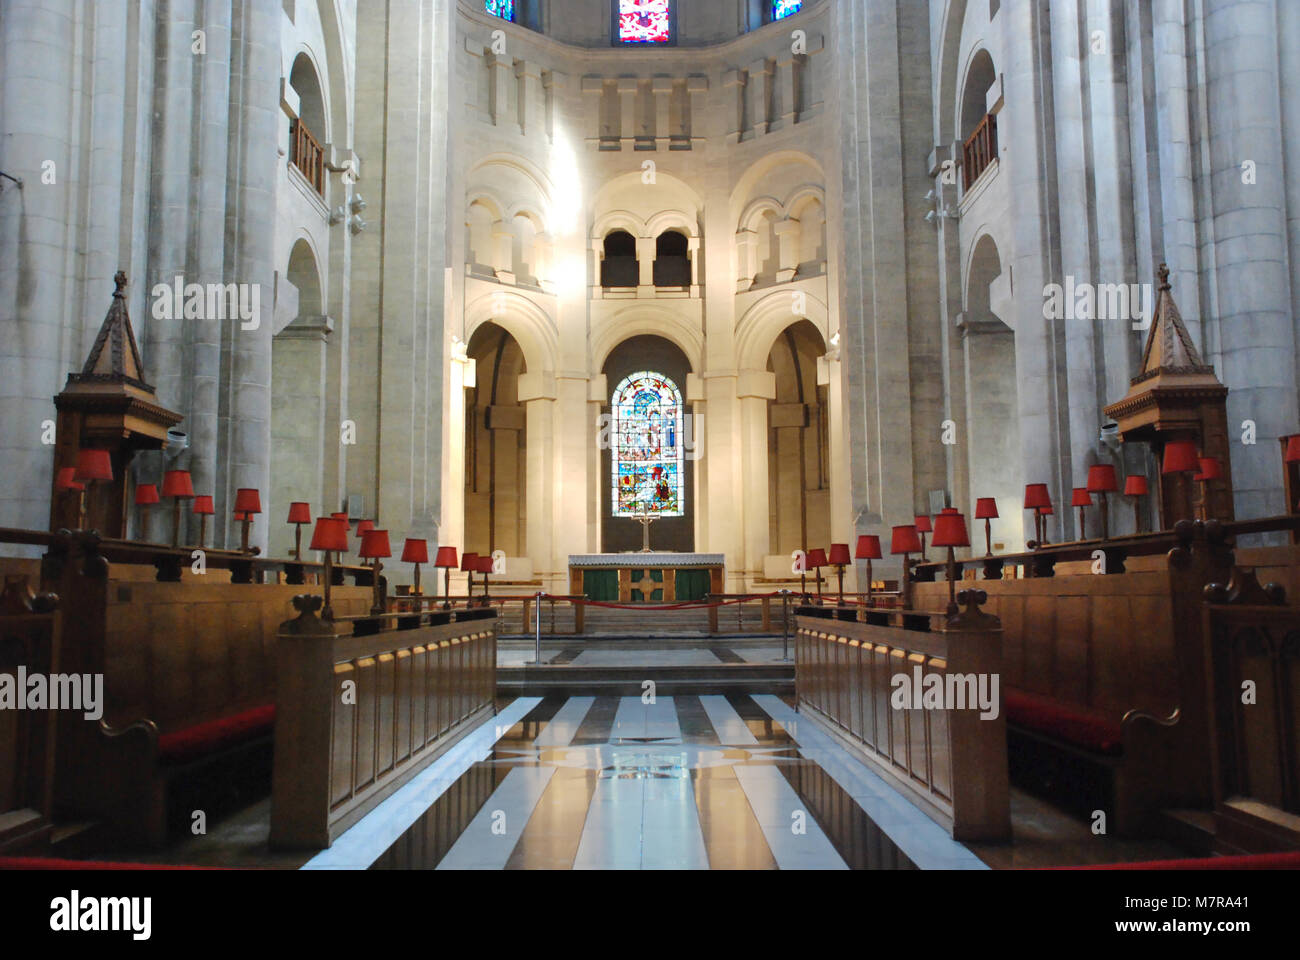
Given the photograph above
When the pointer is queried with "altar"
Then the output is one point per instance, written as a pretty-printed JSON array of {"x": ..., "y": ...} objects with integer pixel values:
[{"x": 646, "y": 577}]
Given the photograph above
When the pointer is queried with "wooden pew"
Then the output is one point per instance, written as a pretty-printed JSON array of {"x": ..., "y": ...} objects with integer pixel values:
[
  {"x": 361, "y": 713},
  {"x": 189, "y": 689},
  {"x": 1252, "y": 641},
  {"x": 951, "y": 762},
  {"x": 29, "y": 639},
  {"x": 1105, "y": 673}
]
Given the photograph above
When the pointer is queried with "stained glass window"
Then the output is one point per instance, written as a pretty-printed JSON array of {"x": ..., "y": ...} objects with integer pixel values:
[
  {"x": 648, "y": 462},
  {"x": 784, "y": 8},
  {"x": 505, "y": 9},
  {"x": 645, "y": 21}
]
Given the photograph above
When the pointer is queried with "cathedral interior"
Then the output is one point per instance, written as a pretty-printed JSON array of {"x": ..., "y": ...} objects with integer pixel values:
[{"x": 560, "y": 434}]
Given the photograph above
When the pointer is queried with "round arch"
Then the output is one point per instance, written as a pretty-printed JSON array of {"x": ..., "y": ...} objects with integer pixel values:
[
  {"x": 528, "y": 323},
  {"x": 302, "y": 268},
  {"x": 767, "y": 319},
  {"x": 646, "y": 319}
]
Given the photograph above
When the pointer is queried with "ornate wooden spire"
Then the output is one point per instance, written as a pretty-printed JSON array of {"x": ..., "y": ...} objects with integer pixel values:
[
  {"x": 115, "y": 357},
  {"x": 1169, "y": 347}
]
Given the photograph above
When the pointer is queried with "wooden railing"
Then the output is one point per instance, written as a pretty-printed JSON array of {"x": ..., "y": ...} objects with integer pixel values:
[
  {"x": 308, "y": 155},
  {"x": 979, "y": 150},
  {"x": 29, "y": 637},
  {"x": 358, "y": 715},
  {"x": 1254, "y": 664},
  {"x": 952, "y": 761}
]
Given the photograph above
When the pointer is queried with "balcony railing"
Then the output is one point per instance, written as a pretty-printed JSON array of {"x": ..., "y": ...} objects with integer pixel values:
[
  {"x": 308, "y": 156},
  {"x": 980, "y": 150}
]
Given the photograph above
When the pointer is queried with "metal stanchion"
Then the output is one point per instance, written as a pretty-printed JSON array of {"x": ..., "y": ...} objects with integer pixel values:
[
  {"x": 537, "y": 627},
  {"x": 785, "y": 627}
]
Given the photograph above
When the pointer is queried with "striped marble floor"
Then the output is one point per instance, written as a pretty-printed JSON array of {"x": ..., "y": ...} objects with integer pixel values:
[{"x": 615, "y": 783}]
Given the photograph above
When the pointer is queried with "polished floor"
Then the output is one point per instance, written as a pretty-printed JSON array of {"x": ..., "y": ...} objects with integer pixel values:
[{"x": 684, "y": 782}]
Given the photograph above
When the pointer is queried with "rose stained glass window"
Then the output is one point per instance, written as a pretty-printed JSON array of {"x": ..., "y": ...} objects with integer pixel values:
[
  {"x": 784, "y": 8},
  {"x": 648, "y": 460},
  {"x": 645, "y": 21},
  {"x": 505, "y": 9}
]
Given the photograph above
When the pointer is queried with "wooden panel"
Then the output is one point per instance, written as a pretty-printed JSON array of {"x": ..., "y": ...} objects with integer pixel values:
[
  {"x": 343, "y": 735},
  {"x": 385, "y": 683},
  {"x": 367, "y": 709},
  {"x": 1070, "y": 669},
  {"x": 403, "y": 706},
  {"x": 419, "y": 697}
]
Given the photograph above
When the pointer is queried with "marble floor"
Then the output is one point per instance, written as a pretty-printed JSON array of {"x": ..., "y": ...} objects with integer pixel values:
[{"x": 685, "y": 782}]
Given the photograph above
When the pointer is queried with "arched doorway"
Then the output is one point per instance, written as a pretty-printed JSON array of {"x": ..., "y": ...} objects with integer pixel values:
[
  {"x": 298, "y": 376},
  {"x": 799, "y": 505},
  {"x": 647, "y": 465},
  {"x": 495, "y": 446},
  {"x": 992, "y": 399}
]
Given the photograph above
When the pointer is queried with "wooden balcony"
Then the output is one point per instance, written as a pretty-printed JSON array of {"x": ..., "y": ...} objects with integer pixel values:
[
  {"x": 308, "y": 155},
  {"x": 979, "y": 151}
]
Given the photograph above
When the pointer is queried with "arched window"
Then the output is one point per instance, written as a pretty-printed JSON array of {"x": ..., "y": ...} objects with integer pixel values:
[
  {"x": 672, "y": 262},
  {"x": 644, "y": 21},
  {"x": 647, "y": 466},
  {"x": 785, "y": 8},
  {"x": 620, "y": 268},
  {"x": 505, "y": 9}
]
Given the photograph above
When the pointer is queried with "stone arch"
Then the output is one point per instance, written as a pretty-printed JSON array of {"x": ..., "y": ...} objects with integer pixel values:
[
  {"x": 303, "y": 270},
  {"x": 768, "y": 318},
  {"x": 977, "y": 79},
  {"x": 992, "y": 392},
  {"x": 525, "y": 320},
  {"x": 799, "y": 435},
  {"x": 639, "y": 319},
  {"x": 313, "y": 95},
  {"x": 496, "y": 438}
]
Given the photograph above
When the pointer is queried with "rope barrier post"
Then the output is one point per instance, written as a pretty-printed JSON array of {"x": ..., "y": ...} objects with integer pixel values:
[
  {"x": 785, "y": 626},
  {"x": 537, "y": 624}
]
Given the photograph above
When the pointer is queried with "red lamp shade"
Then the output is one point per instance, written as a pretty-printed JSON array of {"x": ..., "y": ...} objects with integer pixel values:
[
  {"x": 1135, "y": 485},
  {"x": 364, "y": 527},
  {"x": 1293, "y": 448},
  {"x": 330, "y": 533},
  {"x": 923, "y": 525},
  {"x": 299, "y": 513},
  {"x": 1101, "y": 479},
  {"x": 374, "y": 544},
  {"x": 203, "y": 506},
  {"x": 415, "y": 551},
  {"x": 816, "y": 559},
  {"x": 950, "y": 529},
  {"x": 1046, "y": 511},
  {"x": 248, "y": 501},
  {"x": 146, "y": 495},
  {"x": 467, "y": 563},
  {"x": 342, "y": 515},
  {"x": 1082, "y": 498},
  {"x": 446, "y": 558},
  {"x": 240, "y": 516},
  {"x": 1036, "y": 496},
  {"x": 840, "y": 554},
  {"x": 868, "y": 547},
  {"x": 1211, "y": 469},
  {"x": 66, "y": 479},
  {"x": 177, "y": 483},
  {"x": 483, "y": 564},
  {"x": 1180, "y": 457},
  {"x": 93, "y": 465},
  {"x": 986, "y": 508},
  {"x": 905, "y": 539}
]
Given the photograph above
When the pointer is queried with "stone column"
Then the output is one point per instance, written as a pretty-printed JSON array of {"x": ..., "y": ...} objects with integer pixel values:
[
  {"x": 754, "y": 389},
  {"x": 1254, "y": 285}
]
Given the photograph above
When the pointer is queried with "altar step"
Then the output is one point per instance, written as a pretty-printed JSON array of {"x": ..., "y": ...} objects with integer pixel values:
[
  {"x": 737, "y": 619},
  {"x": 630, "y": 681}
]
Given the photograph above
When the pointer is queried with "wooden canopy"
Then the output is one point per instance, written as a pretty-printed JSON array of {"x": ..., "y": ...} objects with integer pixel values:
[{"x": 1176, "y": 396}]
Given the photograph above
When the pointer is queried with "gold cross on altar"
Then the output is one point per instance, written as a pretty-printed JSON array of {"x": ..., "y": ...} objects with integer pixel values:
[
  {"x": 645, "y": 520},
  {"x": 646, "y": 585}
]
